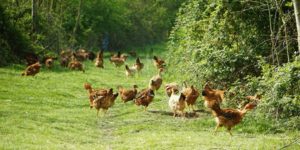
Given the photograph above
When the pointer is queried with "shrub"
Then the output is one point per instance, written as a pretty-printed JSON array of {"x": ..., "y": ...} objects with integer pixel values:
[{"x": 281, "y": 90}]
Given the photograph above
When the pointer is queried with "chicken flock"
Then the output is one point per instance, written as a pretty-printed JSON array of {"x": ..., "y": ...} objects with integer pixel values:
[{"x": 179, "y": 97}]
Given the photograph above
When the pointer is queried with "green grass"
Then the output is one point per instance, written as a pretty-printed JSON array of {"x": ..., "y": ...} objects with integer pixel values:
[{"x": 51, "y": 111}]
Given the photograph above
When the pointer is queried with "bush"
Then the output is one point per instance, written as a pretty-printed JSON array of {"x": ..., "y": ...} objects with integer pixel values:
[
  {"x": 13, "y": 43},
  {"x": 225, "y": 42},
  {"x": 215, "y": 43},
  {"x": 281, "y": 90}
]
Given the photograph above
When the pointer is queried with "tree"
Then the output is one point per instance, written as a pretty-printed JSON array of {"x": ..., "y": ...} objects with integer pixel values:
[
  {"x": 73, "y": 39},
  {"x": 296, "y": 4},
  {"x": 34, "y": 15},
  {"x": 52, "y": 25}
]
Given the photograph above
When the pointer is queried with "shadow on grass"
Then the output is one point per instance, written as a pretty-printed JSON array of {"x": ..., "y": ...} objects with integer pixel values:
[
  {"x": 120, "y": 114},
  {"x": 191, "y": 115}
]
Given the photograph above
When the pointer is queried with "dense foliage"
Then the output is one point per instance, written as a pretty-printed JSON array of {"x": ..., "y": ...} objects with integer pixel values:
[
  {"x": 281, "y": 88},
  {"x": 49, "y": 26},
  {"x": 12, "y": 40},
  {"x": 245, "y": 46}
]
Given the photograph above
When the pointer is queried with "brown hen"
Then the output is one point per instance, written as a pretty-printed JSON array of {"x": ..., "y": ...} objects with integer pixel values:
[
  {"x": 127, "y": 94},
  {"x": 144, "y": 98},
  {"x": 211, "y": 96},
  {"x": 99, "y": 60},
  {"x": 156, "y": 81},
  {"x": 229, "y": 117},
  {"x": 158, "y": 62},
  {"x": 32, "y": 70},
  {"x": 191, "y": 94}
]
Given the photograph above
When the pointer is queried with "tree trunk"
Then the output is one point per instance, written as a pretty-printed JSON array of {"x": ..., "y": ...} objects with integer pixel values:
[
  {"x": 271, "y": 36},
  {"x": 283, "y": 19},
  {"x": 73, "y": 38},
  {"x": 78, "y": 18},
  {"x": 296, "y": 4},
  {"x": 60, "y": 10},
  {"x": 34, "y": 15}
]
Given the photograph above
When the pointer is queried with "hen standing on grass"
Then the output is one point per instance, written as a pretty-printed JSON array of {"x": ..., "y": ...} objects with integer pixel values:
[
  {"x": 224, "y": 117},
  {"x": 212, "y": 96},
  {"x": 32, "y": 70},
  {"x": 191, "y": 94},
  {"x": 129, "y": 71},
  {"x": 177, "y": 103},
  {"x": 127, "y": 94},
  {"x": 94, "y": 93},
  {"x": 75, "y": 64},
  {"x": 99, "y": 60},
  {"x": 229, "y": 117},
  {"x": 49, "y": 61},
  {"x": 144, "y": 98},
  {"x": 118, "y": 61},
  {"x": 156, "y": 81},
  {"x": 158, "y": 62},
  {"x": 138, "y": 66},
  {"x": 105, "y": 101}
]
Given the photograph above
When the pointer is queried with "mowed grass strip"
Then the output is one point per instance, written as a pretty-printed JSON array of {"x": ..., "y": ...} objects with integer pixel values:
[{"x": 51, "y": 111}]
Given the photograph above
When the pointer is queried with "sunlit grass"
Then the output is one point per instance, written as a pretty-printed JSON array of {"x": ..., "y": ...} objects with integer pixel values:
[{"x": 51, "y": 111}]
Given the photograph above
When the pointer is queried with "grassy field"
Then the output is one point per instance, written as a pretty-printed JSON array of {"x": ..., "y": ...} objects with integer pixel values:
[{"x": 51, "y": 111}]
